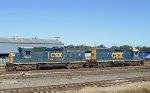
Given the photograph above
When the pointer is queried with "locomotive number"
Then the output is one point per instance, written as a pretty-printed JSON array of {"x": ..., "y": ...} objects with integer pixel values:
[
  {"x": 117, "y": 55},
  {"x": 56, "y": 55}
]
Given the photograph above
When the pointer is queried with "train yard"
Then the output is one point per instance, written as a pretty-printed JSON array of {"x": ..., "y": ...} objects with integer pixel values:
[{"x": 62, "y": 80}]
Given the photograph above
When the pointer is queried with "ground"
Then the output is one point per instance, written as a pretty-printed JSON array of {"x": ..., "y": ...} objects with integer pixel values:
[{"x": 76, "y": 79}]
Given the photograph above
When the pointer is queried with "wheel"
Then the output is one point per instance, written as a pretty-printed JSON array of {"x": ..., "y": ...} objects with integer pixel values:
[
  {"x": 142, "y": 62},
  {"x": 68, "y": 66},
  {"x": 38, "y": 67},
  {"x": 9, "y": 67}
]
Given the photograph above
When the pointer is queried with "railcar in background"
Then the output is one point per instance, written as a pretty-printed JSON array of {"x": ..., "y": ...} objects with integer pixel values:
[{"x": 145, "y": 55}]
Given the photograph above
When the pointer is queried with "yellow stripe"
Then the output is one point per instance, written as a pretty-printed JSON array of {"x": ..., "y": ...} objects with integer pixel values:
[
  {"x": 118, "y": 60},
  {"x": 49, "y": 62}
]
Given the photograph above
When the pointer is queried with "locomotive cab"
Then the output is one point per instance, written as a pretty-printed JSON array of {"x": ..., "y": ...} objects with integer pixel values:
[
  {"x": 136, "y": 55},
  {"x": 88, "y": 55}
]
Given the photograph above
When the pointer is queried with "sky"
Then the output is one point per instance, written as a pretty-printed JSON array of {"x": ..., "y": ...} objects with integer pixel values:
[{"x": 78, "y": 22}]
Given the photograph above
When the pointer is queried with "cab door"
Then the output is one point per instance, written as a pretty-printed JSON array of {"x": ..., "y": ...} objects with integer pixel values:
[{"x": 88, "y": 55}]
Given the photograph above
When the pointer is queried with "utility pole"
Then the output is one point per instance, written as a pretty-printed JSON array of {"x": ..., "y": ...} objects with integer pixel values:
[
  {"x": 95, "y": 45},
  {"x": 57, "y": 38}
]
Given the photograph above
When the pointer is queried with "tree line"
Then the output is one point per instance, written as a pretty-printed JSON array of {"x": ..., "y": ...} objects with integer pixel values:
[{"x": 145, "y": 48}]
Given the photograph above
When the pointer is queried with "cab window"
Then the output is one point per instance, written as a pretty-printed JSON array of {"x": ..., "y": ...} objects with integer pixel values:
[{"x": 27, "y": 52}]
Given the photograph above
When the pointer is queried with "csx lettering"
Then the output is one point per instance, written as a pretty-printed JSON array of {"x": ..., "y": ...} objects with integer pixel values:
[
  {"x": 56, "y": 55},
  {"x": 117, "y": 55}
]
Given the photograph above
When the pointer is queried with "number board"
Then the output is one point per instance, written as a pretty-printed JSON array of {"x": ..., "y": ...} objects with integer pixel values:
[{"x": 117, "y": 55}]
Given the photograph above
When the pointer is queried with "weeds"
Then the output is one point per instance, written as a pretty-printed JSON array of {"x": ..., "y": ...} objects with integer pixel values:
[{"x": 127, "y": 88}]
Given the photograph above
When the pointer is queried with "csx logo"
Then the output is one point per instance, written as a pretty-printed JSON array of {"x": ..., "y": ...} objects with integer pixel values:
[
  {"x": 117, "y": 55},
  {"x": 57, "y": 55}
]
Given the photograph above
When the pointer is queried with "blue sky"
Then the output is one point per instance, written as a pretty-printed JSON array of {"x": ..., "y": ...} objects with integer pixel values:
[{"x": 77, "y": 22}]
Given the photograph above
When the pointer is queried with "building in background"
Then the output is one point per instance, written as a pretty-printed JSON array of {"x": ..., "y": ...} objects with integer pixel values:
[{"x": 8, "y": 45}]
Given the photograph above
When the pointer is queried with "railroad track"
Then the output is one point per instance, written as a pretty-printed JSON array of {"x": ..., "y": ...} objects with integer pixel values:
[
  {"x": 76, "y": 86},
  {"x": 38, "y": 73}
]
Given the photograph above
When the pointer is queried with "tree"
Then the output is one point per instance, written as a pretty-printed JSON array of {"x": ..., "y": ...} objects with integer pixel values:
[
  {"x": 69, "y": 46},
  {"x": 139, "y": 47},
  {"x": 100, "y": 46},
  {"x": 126, "y": 47},
  {"x": 115, "y": 47},
  {"x": 84, "y": 46}
]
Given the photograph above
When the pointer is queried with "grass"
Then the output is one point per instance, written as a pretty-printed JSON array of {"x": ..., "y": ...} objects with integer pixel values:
[{"x": 127, "y": 88}]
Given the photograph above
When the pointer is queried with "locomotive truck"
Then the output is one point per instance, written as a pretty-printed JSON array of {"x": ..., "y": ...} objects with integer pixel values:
[{"x": 34, "y": 58}]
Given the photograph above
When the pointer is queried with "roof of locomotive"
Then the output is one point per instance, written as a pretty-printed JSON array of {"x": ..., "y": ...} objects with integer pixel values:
[
  {"x": 112, "y": 49},
  {"x": 53, "y": 48}
]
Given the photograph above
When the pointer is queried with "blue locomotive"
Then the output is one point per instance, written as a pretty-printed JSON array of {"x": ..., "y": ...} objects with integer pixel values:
[
  {"x": 102, "y": 57},
  {"x": 28, "y": 58},
  {"x": 34, "y": 58}
]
